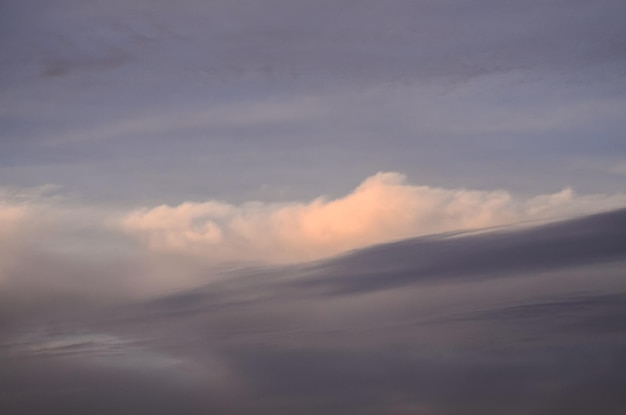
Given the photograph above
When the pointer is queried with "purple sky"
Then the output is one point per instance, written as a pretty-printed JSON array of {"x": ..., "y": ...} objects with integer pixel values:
[
  {"x": 297, "y": 206},
  {"x": 158, "y": 101}
]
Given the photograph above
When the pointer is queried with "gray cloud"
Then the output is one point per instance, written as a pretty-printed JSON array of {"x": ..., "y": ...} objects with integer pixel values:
[
  {"x": 515, "y": 321},
  {"x": 586, "y": 241},
  {"x": 351, "y": 40}
]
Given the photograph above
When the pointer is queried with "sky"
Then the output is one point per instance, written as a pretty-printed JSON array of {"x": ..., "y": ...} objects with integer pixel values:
[{"x": 272, "y": 206}]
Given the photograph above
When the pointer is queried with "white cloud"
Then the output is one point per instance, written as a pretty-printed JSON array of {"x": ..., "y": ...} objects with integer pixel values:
[
  {"x": 382, "y": 208},
  {"x": 57, "y": 245}
]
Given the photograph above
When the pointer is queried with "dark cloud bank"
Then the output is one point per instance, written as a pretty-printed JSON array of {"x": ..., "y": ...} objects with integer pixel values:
[{"x": 523, "y": 321}]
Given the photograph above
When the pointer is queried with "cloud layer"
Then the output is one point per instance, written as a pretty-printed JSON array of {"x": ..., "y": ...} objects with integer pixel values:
[
  {"x": 57, "y": 246},
  {"x": 516, "y": 321}
]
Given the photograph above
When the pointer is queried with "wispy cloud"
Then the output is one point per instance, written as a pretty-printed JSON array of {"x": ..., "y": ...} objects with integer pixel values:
[
  {"x": 619, "y": 168},
  {"x": 228, "y": 116}
]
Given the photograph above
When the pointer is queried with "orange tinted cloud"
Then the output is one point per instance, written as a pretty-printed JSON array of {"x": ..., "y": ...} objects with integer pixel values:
[
  {"x": 382, "y": 208},
  {"x": 51, "y": 242}
]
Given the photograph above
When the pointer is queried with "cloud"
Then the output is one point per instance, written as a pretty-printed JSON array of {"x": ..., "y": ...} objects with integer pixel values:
[
  {"x": 398, "y": 338},
  {"x": 476, "y": 323},
  {"x": 282, "y": 39},
  {"x": 55, "y": 246},
  {"x": 619, "y": 169},
  {"x": 217, "y": 118},
  {"x": 382, "y": 208}
]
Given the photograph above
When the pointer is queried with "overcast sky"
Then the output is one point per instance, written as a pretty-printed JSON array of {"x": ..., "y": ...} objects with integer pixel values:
[
  {"x": 282, "y": 206},
  {"x": 162, "y": 101}
]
